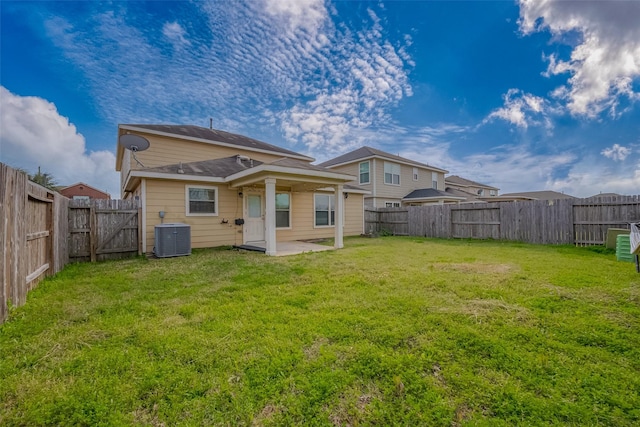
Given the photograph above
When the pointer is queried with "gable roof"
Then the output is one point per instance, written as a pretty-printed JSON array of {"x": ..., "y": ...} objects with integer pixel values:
[
  {"x": 234, "y": 168},
  {"x": 534, "y": 195},
  {"x": 366, "y": 152},
  {"x": 429, "y": 193},
  {"x": 468, "y": 197},
  {"x": 212, "y": 136},
  {"x": 83, "y": 184},
  {"x": 211, "y": 168},
  {"x": 458, "y": 180}
]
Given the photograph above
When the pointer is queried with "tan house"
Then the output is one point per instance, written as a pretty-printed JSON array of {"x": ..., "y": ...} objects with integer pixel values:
[
  {"x": 472, "y": 191},
  {"x": 82, "y": 191},
  {"x": 393, "y": 181},
  {"x": 234, "y": 190}
]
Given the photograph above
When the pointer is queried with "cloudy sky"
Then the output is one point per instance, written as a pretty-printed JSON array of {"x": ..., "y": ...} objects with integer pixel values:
[{"x": 524, "y": 95}]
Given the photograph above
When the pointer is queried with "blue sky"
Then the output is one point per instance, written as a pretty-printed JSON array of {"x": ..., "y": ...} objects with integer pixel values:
[{"x": 524, "y": 95}]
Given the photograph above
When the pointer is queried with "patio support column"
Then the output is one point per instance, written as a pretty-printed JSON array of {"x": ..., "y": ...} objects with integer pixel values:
[
  {"x": 270, "y": 215},
  {"x": 339, "y": 215}
]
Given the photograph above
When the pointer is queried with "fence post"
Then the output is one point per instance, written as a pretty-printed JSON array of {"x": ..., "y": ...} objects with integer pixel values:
[
  {"x": 139, "y": 230},
  {"x": 93, "y": 232}
]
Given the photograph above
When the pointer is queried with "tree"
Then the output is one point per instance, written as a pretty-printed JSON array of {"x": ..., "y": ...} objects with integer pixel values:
[{"x": 45, "y": 179}]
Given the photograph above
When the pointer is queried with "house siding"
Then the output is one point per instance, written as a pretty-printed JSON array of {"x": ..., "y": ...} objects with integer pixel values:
[
  {"x": 209, "y": 231},
  {"x": 381, "y": 192},
  {"x": 206, "y": 231},
  {"x": 302, "y": 218}
]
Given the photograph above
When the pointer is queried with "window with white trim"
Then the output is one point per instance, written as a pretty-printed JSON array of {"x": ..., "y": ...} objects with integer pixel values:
[
  {"x": 325, "y": 210},
  {"x": 434, "y": 180},
  {"x": 283, "y": 210},
  {"x": 492, "y": 192},
  {"x": 202, "y": 200},
  {"x": 391, "y": 173},
  {"x": 364, "y": 173},
  {"x": 391, "y": 204},
  {"x": 415, "y": 174}
]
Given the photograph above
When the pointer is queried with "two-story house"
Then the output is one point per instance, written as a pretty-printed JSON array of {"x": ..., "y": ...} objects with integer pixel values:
[
  {"x": 233, "y": 190},
  {"x": 472, "y": 191},
  {"x": 393, "y": 181}
]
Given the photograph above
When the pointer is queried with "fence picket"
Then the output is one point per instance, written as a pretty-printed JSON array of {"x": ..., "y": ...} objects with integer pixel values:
[{"x": 563, "y": 221}]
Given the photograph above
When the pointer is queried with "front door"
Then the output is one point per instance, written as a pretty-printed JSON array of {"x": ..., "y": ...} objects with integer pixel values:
[{"x": 254, "y": 222}]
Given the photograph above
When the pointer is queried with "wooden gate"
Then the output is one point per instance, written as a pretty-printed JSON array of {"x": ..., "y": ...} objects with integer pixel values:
[{"x": 104, "y": 229}]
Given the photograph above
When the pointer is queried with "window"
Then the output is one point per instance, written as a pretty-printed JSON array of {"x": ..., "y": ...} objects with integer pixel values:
[
  {"x": 481, "y": 192},
  {"x": 202, "y": 200},
  {"x": 391, "y": 204},
  {"x": 492, "y": 192},
  {"x": 325, "y": 208},
  {"x": 415, "y": 174},
  {"x": 364, "y": 173},
  {"x": 434, "y": 180},
  {"x": 283, "y": 210},
  {"x": 391, "y": 173}
]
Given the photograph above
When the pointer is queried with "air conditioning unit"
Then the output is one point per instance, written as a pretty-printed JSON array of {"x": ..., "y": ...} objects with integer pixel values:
[{"x": 173, "y": 239}]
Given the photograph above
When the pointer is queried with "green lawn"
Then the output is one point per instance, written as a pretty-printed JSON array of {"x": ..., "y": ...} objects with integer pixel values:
[{"x": 388, "y": 331}]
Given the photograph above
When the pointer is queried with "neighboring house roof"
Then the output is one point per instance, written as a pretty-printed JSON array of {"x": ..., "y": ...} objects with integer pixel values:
[
  {"x": 605, "y": 195},
  {"x": 468, "y": 196},
  {"x": 463, "y": 182},
  {"x": 532, "y": 195},
  {"x": 365, "y": 152},
  {"x": 215, "y": 136},
  {"x": 70, "y": 190},
  {"x": 429, "y": 194}
]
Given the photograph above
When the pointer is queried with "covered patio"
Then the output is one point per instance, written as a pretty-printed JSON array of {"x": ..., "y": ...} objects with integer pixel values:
[{"x": 286, "y": 248}]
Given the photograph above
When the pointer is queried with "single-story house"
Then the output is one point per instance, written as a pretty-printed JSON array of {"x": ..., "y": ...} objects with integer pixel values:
[{"x": 82, "y": 191}]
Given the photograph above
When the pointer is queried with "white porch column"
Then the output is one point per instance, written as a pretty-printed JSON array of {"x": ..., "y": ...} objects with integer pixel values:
[
  {"x": 270, "y": 215},
  {"x": 339, "y": 215}
]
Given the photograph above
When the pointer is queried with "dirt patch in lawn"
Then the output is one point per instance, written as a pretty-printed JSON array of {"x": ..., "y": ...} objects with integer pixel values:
[{"x": 477, "y": 268}]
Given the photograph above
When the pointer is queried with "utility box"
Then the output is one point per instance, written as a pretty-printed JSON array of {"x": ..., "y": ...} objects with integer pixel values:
[
  {"x": 623, "y": 248},
  {"x": 173, "y": 239},
  {"x": 612, "y": 237}
]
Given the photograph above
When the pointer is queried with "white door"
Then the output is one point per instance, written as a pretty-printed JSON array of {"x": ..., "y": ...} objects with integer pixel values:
[{"x": 254, "y": 218}]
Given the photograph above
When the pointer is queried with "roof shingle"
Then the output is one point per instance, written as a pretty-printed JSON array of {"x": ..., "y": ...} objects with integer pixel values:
[{"x": 214, "y": 135}]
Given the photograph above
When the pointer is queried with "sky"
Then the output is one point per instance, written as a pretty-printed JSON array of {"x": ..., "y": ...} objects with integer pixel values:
[{"x": 522, "y": 95}]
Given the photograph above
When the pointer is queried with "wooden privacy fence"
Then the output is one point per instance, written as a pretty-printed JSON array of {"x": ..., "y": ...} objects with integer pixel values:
[
  {"x": 563, "y": 221},
  {"x": 104, "y": 229},
  {"x": 33, "y": 236},
  {"x": 41, "y": 231}
]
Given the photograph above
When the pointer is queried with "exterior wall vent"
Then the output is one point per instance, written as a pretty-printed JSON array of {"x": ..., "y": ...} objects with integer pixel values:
[{"x": 172, "y": 239}]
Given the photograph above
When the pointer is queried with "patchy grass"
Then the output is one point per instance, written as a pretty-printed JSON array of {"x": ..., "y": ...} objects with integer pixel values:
[{"x": 389, "y": 331}]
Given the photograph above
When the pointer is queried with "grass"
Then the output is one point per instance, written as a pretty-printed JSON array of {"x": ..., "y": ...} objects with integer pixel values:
[{"x": 388, "y": 331}]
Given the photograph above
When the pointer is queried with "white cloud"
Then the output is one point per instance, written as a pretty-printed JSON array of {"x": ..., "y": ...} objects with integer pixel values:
[
  {"x": 298, "y": 14},
  {"x": 589, "y": 177},
  {"x": 606, "y": 60},
  {"x": 35, "y": 134},
  {"x": 523, "y": 110},
  {"x": 616, "y": 152},
  {"x": 372, "y": 77},
  {"x": 176, "y": 34},
  {"x": 291, "y": 64}
]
